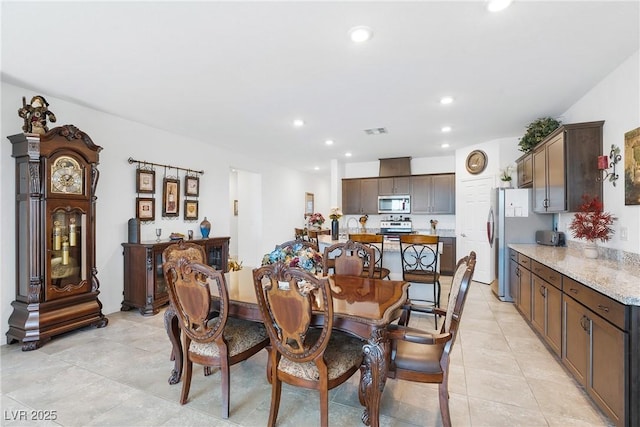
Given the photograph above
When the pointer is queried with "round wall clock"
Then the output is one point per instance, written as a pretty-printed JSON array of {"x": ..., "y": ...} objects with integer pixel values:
[{"x": 476, "y": 162}]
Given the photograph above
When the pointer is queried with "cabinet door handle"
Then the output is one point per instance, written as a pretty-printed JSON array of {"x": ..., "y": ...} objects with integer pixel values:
[
  {"x": 573, "y": 290},
  {"x": 543, "y": 290},
  {"x": 603, "y": 308}
]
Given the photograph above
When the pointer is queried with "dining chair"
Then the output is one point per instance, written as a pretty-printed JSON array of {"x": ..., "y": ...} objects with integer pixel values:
[
  {"x": 173, "y": 252},
  {"x": 313, "y": 236},
  {"x": 302, "y": 242},
  {"x": 423, "y": 356},
  {"x": 419, "y": 256},
  {"x": 301, "y": 354},
  {"x": 350, "y": 258},
  {"x": 210, "y": 337},
  {"x": 299, "y": 233},
  {"x": 375, "y": 241}
]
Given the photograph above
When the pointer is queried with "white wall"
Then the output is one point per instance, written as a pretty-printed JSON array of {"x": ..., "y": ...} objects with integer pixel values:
[
  {"x": 281, "y": 197},
  {"x": 616, "y": 100}
]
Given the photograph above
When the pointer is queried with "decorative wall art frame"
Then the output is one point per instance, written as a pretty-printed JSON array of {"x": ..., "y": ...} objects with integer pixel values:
[
  {"x": 146, "y": 208},
  {"x": 190, "y": 210},
  {"x": 145, "y": 181},
  {"x": 308, "y": 204},
  {"x": 632, "y": 167},
  {"x": 191, "y": 186},
  {"x": 170, "y": 197}
]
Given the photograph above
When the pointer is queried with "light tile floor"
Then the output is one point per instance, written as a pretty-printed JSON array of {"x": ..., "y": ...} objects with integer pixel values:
[{"x": 501, "y": 375}]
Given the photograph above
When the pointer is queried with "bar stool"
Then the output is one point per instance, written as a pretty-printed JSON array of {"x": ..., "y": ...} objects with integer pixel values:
[{"x": 419, "y": 255}]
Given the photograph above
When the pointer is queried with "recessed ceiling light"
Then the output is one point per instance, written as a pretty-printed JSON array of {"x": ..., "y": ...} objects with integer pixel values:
[
  {"x": 446, "y": 100},
  {"x": 347, "y": 154},
  {"x": 317, "y": 168},
  {"x": 446, "y": 129},
  {"x": 498, "y": 5},
  {"x": 329, "y": 142},
  {"x": 445, "y": 145},
  {"x": 298, "y": 123},
  {"x": 360, "y": 34}
]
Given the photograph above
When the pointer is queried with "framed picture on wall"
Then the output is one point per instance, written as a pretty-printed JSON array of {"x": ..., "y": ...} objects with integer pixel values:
[
  {"x": 190, "y": 209},
  {"x": 145, "y": 181},
  {"x": 146, "y": 208},
  {"x": 308, "y": 204},
  {"x": 170, "y": 197},
  {"x": 632, "y": 167},
  {"x": 191, "y": 186}
]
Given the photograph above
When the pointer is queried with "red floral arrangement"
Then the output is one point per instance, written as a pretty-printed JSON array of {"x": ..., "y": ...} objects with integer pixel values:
[{"x": 591, "y": 222}]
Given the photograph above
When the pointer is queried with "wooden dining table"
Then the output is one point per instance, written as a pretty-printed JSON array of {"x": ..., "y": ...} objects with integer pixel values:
[{"x": 362, "y": 307}]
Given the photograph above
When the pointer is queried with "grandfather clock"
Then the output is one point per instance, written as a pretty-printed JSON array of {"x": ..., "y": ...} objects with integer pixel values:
[{"x": 56, "y": 276}]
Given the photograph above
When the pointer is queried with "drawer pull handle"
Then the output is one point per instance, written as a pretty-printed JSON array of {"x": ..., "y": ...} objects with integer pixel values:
[
  {"x": 573, "y": 290},
  {"x": 603, "y": 308}
]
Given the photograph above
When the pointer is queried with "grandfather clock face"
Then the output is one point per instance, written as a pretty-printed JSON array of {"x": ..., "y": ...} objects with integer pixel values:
[{"x": 67, "y": 177}]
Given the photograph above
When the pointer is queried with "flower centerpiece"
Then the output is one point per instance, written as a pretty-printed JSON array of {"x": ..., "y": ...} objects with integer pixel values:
[
  {"x": 315, "y": 220},
  {"x": 335, "y": 215},
  {"x": 296, "y": 255},
  {"x": 592, "y": 224},
  {"x": 505, "y": 175}
]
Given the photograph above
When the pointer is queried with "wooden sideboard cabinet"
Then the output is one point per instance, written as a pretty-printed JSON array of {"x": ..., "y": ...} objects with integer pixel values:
[{"x": 144, "y": 284}]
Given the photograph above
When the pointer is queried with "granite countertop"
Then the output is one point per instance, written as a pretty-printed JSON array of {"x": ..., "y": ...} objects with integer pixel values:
[
  {"x": 390, "y": 245},
  {"x": 617, "y": 280}
]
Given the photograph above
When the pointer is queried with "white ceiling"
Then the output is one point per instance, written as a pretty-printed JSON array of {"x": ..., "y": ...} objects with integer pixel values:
[{"x": 237, "y": 73}]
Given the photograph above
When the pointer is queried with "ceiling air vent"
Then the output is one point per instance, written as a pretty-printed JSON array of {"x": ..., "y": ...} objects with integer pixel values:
[{"x": 375, "y": 131}]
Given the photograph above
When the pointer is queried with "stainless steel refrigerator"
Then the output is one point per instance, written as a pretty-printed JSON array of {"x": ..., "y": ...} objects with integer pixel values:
[{"x": 511, "y": 220}]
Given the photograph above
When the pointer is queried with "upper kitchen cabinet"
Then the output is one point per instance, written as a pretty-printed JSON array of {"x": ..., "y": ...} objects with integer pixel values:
[
  {"x": 565, "y": 167},
  {"x": 396, "y": 185},
  {"x": 433, "y": 194},
  {"x": 360, "y": 196},
  {"x": 525, "y": 171}
]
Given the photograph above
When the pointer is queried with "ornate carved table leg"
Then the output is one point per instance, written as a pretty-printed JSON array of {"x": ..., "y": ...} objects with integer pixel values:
[
  {"x": 373, "y": 376},
  {"x": 173, "y": 331}
]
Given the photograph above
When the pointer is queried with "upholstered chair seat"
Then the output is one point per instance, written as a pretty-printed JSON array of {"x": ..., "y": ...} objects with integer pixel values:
[{"x": 240, "y": 335}]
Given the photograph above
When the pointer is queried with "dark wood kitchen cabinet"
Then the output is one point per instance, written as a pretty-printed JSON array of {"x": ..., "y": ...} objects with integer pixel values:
[
  {"x": 433, "y": 194},
  {"x": 144, "y": 284},
  {"x": 521, "y": 283},
  {"x": 400, "y": 185},
  {"x": 595, "y": 351},
  {"x": 565, "y": 167},
  {"x": 525, "y": 171},
  {"x": 546, "y": 304},
  {"x": 448, "y": 257},
  {"x": 360, "y": 196}
]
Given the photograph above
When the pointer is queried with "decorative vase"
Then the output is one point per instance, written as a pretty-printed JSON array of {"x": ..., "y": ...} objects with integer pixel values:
[
  {"x": 335, "y": 229},
  {"x": 590, "y": 250},
  {"x": 205, "y": 228}
]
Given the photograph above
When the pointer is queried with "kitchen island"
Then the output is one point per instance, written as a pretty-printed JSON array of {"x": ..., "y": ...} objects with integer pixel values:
[
  {"x": 587, "y": 312},
  {"x": 391, "y": 257}
]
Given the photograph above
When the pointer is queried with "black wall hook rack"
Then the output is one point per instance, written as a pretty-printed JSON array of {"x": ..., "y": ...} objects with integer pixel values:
[{"x": 132, "y": 160}]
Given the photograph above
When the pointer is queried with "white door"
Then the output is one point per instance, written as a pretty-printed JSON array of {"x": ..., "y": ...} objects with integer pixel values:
[{"x": 472, "y": 209}]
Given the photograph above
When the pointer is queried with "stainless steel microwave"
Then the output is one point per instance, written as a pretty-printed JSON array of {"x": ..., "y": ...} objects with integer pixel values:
[{"x": 394, "y": 204}]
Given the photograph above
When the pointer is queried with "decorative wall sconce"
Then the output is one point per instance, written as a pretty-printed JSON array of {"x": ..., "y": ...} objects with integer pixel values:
[{"x": 605, "y": 163}]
